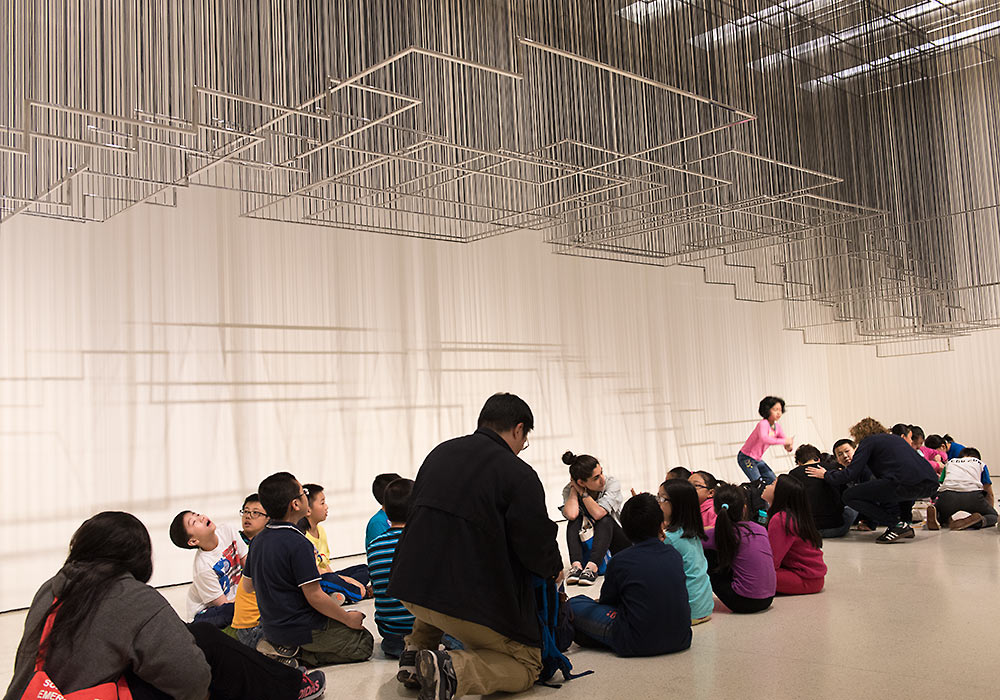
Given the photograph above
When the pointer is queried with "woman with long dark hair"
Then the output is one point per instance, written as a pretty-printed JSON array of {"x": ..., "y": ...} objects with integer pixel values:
[
  {"x": 108, "y": 623},
  {"x": 795, "y": 542}
]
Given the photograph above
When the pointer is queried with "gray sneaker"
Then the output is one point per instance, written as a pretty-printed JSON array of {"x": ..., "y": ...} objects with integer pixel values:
[
  {"x": 436, "y": 675},
  {"x": 281, "y": 654},
  {"x": 573, "y": 577},
  {"x": 588, "y": 577}
]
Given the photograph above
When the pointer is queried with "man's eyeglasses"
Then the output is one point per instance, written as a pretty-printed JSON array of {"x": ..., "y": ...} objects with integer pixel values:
[{"x": 253, "y": 513}]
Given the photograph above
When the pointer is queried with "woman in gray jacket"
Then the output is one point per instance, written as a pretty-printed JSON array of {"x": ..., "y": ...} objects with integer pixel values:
[{"x": 108, "y": 623}]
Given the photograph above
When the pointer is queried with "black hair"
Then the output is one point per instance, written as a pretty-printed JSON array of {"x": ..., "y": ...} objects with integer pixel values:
[
  {"x": 767, "y": 403},
  {"x": 276, "y": 492},
  {"x": 843, "y": 441},
  {"x": 685, "y": 511},
  {"x": 178, "y": 532},
  {"x": 503, "y": 412},
  {"x": 105, "y": 547},
  {"x": 679, "y": 473},
  {"x": 313, "y": 491},
  {"x": 641, "y": 517},
  {"x": 790, "y": 498},
  {"x": 711, "y": 483},
  {"x": 807, "y": 453},
  {"x": 916, "y": 432},
  {"x": 252, "y": 498},
  {"x": 900, "y": 429},
  {"x": 934, "y": 442},
  {"x": 580, "y": 466},
  {"x": 730, "y": 512},
  {"x": 947, "y": 438},
  {"x": 970, "y": 452},
  {"x": 379, "y": 484},
  {"x": 397, "y": 500}
]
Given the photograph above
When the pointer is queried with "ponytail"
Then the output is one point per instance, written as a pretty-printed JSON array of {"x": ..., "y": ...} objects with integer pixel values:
[{"x": 730, "y": 510}]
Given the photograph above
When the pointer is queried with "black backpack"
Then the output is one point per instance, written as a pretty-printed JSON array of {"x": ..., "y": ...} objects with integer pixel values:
[{"x": 756, "y": 505}]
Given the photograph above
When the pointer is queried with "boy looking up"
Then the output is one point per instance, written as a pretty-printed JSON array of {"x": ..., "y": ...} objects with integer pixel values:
[
  {"x": 218, "y": 565},
  {"x": 298, "y": 618}
]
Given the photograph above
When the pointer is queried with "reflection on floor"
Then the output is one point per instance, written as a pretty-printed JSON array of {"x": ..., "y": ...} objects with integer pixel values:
[{"x": 905, "y": 621}]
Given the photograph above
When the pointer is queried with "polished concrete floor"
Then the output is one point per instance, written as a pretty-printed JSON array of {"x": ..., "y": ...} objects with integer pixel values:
[{"x": 903, "y": 621}]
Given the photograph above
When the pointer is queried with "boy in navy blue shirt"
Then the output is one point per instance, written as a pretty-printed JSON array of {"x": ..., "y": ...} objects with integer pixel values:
[
  {"x": 299, "y": 619},
  {"x": 643, "y": 608}
]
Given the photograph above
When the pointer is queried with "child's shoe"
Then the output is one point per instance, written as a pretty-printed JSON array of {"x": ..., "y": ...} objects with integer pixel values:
[
  {"x": 407, "y": 674},
  {"x": 699, "y": 620},
  {"x": 313, "y": 685},
  {"x": 436, "y": 675},
  {"x": 281, "y": 654},
  {"x": 588, "y": 577},
  {"x": 932, "y": 521},
  {"x": 573, "y": 577}
]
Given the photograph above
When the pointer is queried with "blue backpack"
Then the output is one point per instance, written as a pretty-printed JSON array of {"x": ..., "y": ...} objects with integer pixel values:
[{"x": 554, "y": 632}]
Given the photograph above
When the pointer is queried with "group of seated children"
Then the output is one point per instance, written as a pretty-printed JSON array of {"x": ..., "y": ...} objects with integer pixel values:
[
  {"x": 663, "y": 556},
  {"x": 278, "y": 601}
]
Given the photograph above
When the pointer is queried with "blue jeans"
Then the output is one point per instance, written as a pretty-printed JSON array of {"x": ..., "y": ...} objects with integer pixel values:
[
  {"x": 250, "y": 636},
  {"x": 850, "y": 515},
  {"x": 591, "y": 621},
  {"x": 392, "y": 646},
  {"x": 755, "y": 468}
]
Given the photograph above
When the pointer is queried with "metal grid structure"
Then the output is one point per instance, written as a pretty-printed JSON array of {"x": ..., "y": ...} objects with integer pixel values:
[{"x": 839, "y": 157}]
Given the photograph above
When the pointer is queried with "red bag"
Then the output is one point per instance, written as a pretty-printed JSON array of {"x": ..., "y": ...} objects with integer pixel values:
[{"x": 41, "y": 686}]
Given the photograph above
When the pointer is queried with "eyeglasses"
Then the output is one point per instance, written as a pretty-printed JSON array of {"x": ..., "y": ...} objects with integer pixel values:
[
  {"x": 662, "y": 499},
  {"x": 526, "y": 443},
  {"x": 253, "y": 513},
  {"x": 700, "y": 486}
]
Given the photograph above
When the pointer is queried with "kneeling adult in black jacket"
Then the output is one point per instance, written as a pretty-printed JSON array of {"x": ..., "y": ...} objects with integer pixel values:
[{"x": 477, "y": 530}]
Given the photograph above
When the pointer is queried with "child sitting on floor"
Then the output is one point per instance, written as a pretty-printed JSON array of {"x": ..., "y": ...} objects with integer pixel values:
[
  {"x": 393, "y": 620},
  {"x": 218, "y": 566},
  {"x": 246, "y": 615},
  {"x": 643, "y": 608},
  {"x": 934, "y": 452},
  {"x": 965, "y": 485},
  {"x": 350, "y": 583},
  {"x": 795, "y": 541},
  {"x": 679, "y": 473},
  {"x": 300, "y": 620},
  {"x": 740, "y": 564},
  {"x": 685, "y": 532},
  {"x": 379, "y": 522},
  {"x": 704, "y": 483}
]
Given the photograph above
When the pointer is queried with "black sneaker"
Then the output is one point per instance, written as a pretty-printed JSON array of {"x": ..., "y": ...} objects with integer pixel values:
[
  {"x": 896, "y": 533},
  {"x": 407, "y": 674},
  {"x": 313, "y": 685},
  {"x": 436, "y": 675},
  {"x": 588, "y": 577},
  {"x": 281, "y": 654},
  {"x": 573, "y": 577}
]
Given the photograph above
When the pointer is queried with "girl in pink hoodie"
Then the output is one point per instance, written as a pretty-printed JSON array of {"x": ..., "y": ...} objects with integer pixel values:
[
  {"x": 795, "y": 541},
  {"x": 766, "y": 433}
]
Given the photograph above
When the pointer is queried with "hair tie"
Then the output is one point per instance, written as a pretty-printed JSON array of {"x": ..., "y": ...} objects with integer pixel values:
[{"x": 725, "y": 506}]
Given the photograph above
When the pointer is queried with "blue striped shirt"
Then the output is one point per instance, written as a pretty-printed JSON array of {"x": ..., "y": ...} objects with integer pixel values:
[{"x": 390, "y": 615}]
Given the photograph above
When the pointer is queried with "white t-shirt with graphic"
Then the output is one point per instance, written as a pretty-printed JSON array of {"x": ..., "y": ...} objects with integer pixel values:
[{"x": 217, "y": 572}]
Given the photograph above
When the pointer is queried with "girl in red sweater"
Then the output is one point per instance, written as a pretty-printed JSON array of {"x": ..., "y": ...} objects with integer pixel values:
[{"x": 795, "y": 542}]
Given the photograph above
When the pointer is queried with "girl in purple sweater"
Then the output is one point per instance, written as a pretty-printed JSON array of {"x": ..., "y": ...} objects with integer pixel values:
[
  {"x": 766, "y": 433},
  {"x": 740, "y": 565},
  {"x": 795, "y": 541}
]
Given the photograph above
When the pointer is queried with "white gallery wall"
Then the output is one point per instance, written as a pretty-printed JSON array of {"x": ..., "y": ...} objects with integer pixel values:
[{"x": 172, "y": 357}]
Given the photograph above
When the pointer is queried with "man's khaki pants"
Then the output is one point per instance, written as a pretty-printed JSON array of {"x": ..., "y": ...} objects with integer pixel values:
[{"x": 490, "y": 661}]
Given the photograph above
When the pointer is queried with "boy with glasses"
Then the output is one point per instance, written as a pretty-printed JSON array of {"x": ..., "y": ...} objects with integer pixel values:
[
  {"x": 246, "y": 615},
  {"x": 300, "y": 621}
]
